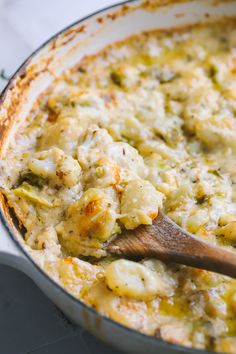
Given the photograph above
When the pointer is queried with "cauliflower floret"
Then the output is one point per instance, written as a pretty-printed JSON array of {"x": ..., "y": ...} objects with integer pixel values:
[
  {"x": 169, "y": 129},
  {"x": 149, "y": 147},
  {"x": 130, "y": 312},
  {"x": 75, "y": 275},
  {"x": 134, "y": 280},
  {"x": 219, "y": 129},
  {"x": 87, "y": 106},
  {"x": 139, "y": 204},
  {"x": 188, "y": 82},
  {"x": 60, "y": 97},
  {"x": 200, "y": 105},
  {"x": 91, "y": 145},
  {"x": 98, "y": 144},
  {"x": 89, "y": 222},
  {"x": 91, "y": 107},
  {"x": 181, "y": 198},
  {"x": 126, "y": 157},
  {"x": 55, "y": 165},
  {"x": 150, "y": 107},
  {"x": 104, "y": 173},
  {"x": 125, "y": 76},
  {"x": 45, "y": 240},
  {"x": 177, "y": 332},
  {"x": 125, "y": 125},
  {"x": 63, "y": 134}
]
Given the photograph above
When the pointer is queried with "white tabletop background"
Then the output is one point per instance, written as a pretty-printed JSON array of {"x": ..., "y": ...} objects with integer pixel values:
[
  {"x": 25, "y": 24},
  {"x": 29, "y": 322}
]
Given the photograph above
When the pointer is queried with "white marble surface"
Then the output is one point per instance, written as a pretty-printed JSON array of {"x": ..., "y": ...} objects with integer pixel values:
[{"x": 29, "y": 322}]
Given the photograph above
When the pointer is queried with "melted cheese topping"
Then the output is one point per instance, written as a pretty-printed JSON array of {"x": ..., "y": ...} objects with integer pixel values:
[{"x": 147, "y": 123}]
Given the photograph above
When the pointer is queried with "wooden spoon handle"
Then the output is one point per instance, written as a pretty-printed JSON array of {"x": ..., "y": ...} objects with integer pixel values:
[{"x": 168, "y": 242}]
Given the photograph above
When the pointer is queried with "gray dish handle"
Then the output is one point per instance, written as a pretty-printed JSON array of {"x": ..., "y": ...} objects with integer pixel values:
[{"x": 10, "y": 254}]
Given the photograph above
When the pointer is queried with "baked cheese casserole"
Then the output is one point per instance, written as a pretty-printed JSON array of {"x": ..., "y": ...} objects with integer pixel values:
[{"x": 148, "y": 123}]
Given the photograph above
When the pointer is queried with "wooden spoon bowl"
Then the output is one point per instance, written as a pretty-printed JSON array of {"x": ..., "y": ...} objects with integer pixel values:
[{"x": 168, "y": 242}]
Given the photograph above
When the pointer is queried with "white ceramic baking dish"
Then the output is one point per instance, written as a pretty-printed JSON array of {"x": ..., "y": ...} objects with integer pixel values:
[{"x": 85, "y": 37}]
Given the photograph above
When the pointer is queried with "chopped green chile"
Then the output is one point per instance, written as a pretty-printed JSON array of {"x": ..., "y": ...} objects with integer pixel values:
[{"x": 32, "y": 179}]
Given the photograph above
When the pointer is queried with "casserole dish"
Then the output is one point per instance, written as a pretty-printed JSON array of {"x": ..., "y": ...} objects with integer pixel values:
[{"x": 62, "y": 52}]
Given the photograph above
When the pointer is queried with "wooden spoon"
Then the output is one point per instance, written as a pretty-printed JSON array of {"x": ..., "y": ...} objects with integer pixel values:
[{"x": 167, "y": 241}]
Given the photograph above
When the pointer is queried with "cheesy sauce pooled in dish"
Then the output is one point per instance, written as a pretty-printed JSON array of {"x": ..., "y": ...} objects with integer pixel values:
[{"x": 148, "y": 123}]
